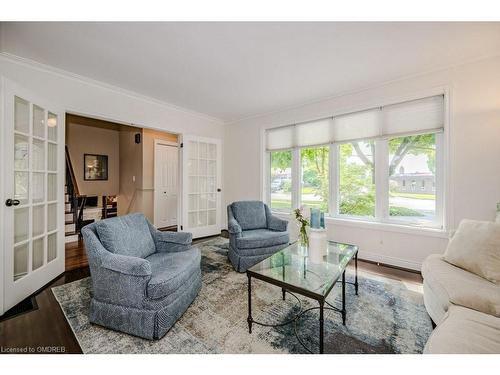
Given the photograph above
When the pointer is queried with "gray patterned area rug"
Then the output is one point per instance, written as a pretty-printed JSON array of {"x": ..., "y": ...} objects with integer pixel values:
[{"x": 388, "y": 316}]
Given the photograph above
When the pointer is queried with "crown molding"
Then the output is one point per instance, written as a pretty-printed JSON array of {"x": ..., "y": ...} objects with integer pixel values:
[{"x": 89, "y": 81}]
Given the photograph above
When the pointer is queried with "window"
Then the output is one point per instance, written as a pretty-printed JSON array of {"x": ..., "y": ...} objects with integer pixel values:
[
  {"x": 356, "y": 171},
  {"x": 413, "y": 157},
  {"x": 383, "y": 164},
  {"x": 314, "y": 182},
  {"x": 281, "y": 180}
]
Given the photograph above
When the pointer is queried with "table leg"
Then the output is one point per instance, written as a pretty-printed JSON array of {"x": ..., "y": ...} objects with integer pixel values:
[
  {"x": 343, "y": 298},
  {"x": 356, "y": 273},
  {"x": 321, "y": 328},
  {"x": 249, "y": 319}
]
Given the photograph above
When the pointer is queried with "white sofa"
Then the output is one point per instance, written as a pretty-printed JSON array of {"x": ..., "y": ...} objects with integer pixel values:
[{"x": 464, "y": 306}]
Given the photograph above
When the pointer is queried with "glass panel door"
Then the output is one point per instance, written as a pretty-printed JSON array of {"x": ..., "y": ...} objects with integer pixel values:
[
  {"x": 33, "y": 209},
  {"x": 201, "y": 186}
]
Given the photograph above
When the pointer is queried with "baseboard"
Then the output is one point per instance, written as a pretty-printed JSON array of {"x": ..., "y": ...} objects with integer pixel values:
[{"x": 390, "y": 261}]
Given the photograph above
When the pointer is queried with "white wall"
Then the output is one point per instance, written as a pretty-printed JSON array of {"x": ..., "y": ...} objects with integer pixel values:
[{"x": 474, "y": 155}]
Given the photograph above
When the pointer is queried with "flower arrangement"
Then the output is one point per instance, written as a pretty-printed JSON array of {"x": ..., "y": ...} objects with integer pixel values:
[{"x": 303, "y": 222}]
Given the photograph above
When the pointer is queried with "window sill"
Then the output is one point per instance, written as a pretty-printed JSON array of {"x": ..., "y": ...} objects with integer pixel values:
[{"x": 375, "y": 225}]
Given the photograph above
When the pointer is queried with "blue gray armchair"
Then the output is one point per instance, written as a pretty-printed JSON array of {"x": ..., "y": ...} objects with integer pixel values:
[
  {"x": 142, "y": 279},
  {"x": 254, "y": 233}
]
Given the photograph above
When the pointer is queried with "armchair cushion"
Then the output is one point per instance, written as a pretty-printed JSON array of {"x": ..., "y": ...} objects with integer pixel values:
[
  {"x": 258, "y": 238},
  {"x": 250, "y": 214},
  {"x": 126, "y": 235},
  {"x": 171, "y": 270}
]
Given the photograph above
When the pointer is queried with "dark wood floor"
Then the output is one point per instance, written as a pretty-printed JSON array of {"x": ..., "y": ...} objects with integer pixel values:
[
  {"x": 47, "y": 326},
  {"x": 76, "y": 257}
]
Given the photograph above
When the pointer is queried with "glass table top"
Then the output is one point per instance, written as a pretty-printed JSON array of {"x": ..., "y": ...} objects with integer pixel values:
[{"x": 293, "y": 266}]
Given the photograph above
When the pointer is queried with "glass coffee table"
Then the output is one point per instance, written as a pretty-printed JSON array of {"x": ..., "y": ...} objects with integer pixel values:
[{"x": 294, "y": 272}]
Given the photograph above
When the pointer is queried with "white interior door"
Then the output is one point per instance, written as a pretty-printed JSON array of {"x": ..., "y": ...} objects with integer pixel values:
[
  {"x": 33, "y": 184},
  {"x": 166, "y": 184},
  {"x": 201, "y": 205}
]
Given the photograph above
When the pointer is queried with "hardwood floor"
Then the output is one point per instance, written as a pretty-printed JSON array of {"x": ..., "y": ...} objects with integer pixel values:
[
  {"x": 46, "y": 328},
  {"x": 76, "y": 257}
]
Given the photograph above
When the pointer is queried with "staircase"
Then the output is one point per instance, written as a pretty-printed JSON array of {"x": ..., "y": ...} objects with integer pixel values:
[{"x": 74, "y": 204}]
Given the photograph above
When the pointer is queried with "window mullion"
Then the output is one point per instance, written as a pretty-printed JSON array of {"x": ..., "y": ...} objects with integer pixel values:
[
  {"x": 333, "y": 186},
  {"x": 296, "y": 178},
  {"x": 381, "y": 180},
  {"x": 439, "y": 182},
  {"x": 267, "y": 179}
]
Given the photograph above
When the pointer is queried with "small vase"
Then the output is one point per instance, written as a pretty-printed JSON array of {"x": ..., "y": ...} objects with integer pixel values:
[{"x": 303, "y": 238}]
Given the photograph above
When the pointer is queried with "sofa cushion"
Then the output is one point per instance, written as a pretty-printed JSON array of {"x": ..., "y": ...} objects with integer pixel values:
[
  {"x": 250, "y": 214},
  {"x": 453, "y": 285},
  {"x": 169, "y": 271},
  {"x": 126, "y": 235},
  {"x": 475, "y": 247},
  {"x": 257, "y": 238},
  {"x": 465, "y": 331}
]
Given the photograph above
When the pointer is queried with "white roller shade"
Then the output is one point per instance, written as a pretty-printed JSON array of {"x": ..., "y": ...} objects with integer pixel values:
[
  {"x": 414, "y": 116},
  {"x": 314, "y": 133},
  {"x": 280, "y": 138},
  {"x": 365, "y": 124}
]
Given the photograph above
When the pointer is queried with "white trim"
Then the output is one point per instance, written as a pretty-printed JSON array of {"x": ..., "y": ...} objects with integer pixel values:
[
  {"x": 2, "y": 194},
  {"x": 375, "y": 225},
  {"x": 296, "y": 177},
  {"x": 388, "y": 227},
  {"x": 165, "y": 143},
  {"x": 77, "y": 77},
  {"x": 381, "y": 164},
  {"x": 392, "y": 261},
  {"x": 333, "y": 178}
]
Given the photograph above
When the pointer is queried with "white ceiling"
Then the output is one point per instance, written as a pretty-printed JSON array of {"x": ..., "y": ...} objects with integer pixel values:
[{"x": 235, "y": 70}]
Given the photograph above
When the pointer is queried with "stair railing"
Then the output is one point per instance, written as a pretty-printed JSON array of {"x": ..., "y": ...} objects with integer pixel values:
[{"x": 76, "y": 199}]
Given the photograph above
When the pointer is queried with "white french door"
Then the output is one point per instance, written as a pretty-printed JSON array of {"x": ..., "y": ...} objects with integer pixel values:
[
  {"x": 166, "y": 184},
  {"x": 201, "y": 204},
  {"x": 33, "y": 182}
]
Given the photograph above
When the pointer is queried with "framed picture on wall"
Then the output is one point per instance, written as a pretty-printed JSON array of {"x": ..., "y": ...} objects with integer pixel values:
[{"x": 95, "y": 167}]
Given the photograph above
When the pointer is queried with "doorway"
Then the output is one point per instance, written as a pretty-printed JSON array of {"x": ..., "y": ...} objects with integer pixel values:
[{"x": 128, "y": 184}]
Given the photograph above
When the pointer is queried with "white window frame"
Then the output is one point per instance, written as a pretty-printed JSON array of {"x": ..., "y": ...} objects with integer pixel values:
[{"x": 442, "y": 189}]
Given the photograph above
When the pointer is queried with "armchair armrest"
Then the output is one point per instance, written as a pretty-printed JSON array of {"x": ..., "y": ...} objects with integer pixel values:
[
  {"x": 274, "y": 222},
  {"x": 180, "y": 238},
  {"x": 171, "y": 241},
  {"x": 126, "y": 265},
  {"x": 233, "y": 227}
]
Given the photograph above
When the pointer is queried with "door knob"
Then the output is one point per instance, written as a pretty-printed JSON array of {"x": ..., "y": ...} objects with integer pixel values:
[{"x": 12, "y": 202}]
